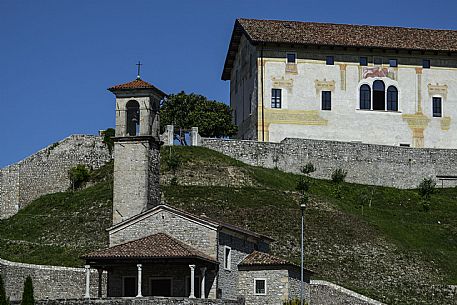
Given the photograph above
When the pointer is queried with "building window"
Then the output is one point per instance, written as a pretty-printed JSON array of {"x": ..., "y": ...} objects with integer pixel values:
[
  {"x": 393, "y": 63},
  {"x": 227, "y": 257},
  {"x": 326, "y": 100},
  {"x": 379, "y": 98},
  {"x": 330, "y": 60},
  {"x": 260, "y": 286},
  {"x": 377, "y": 61},
  {"x": 291, "y": 58},
  {"x": 426, "y": 63},
  {"x": 437, "y": 107},
  {"x": 365, "y": 97},
  {"x": 275, "y": 98},
  {"x": 363, "y": 61},
  {"x": 392, "y": 98}
]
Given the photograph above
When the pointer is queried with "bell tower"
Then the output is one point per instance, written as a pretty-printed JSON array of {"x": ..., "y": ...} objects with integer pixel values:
[{"x": 136, "y": 149}]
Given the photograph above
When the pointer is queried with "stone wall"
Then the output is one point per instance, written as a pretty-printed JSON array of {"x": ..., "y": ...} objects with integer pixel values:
[
  {"x": 393, "y": 166},
  {"x": 49, "y": 282},
  {"x": 47, "y": 171},
  {"x": 137, "y": 301},
  {"x": 325, "y": 293}
]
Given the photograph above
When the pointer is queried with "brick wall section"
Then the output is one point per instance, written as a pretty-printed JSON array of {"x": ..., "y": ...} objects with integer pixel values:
[
  {"x": 137, "y": 301},
  {"x": 47, "y": 171},
  {"x": 394, "y": 166},
  {"x": 49, "y": 282},
  {"x": 326, "y": 293}
]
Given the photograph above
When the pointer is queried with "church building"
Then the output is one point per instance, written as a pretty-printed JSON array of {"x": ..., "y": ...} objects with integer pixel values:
[
  {"x": 353, "y": 83},
  {"x": 158, "y": 250}
]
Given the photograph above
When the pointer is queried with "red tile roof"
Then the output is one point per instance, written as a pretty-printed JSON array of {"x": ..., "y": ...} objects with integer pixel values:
[
  {"x": 257, "y": 258},
  {"x": 346, "y": 35},
  {"x": 136, "y": 84},
  {"x": 158, "y": 245}
]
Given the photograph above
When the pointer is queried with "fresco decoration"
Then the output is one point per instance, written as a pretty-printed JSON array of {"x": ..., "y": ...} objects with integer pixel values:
[
  {"x": 282, "y": 82},
  {"x": 368, "y": 72},
  {"x": 437, "y": 89},
  {"x": 446, "y": 123},
  {"x": 324, "y": 85}
]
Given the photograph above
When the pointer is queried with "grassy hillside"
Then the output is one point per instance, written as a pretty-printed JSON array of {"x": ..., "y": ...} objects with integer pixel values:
[{"x": 390, "y": 250}]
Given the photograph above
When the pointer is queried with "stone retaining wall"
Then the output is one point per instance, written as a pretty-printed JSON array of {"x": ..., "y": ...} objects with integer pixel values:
[
  {"x": 137, "y": 301},
  {"x": 49, "y": 282},
  {"x": 47, "y": 171},
  {"x": 394, "y": 166},
  {"x": 326, "y": 293}
]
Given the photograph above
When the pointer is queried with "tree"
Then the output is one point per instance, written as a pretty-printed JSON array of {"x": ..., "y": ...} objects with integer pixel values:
[
  {"x": 426, "y": 190},
  {"x": 78, "y": 175},
  {"x": 3, "y": 299},
  {"x": 338, "y": 177},
  {"x": 27, "y": 295},
  {"x": 108, "y": 135},
  {"x": 184, "y": 111}
]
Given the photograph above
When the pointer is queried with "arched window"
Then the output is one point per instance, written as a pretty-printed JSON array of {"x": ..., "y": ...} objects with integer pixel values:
[
  {"x": 133, "y": 118},
  {"x": 379, "y": 95},
  {"x": 365, "y": 97},
  {"x": 392, "y": 98}
]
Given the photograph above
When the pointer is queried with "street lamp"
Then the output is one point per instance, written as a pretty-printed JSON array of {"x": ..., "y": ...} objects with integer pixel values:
[{"x": 302, "y": 208}]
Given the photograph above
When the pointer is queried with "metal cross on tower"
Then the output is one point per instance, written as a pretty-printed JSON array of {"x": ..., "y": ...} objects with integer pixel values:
[{"x": 139, "y": 64}]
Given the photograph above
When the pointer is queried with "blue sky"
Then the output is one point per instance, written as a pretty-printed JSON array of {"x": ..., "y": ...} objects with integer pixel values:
[{"x": 58, "y": 57}]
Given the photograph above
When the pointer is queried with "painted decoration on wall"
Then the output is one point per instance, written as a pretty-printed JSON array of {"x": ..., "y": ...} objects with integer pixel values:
[
  {"x": 437, "y": 89},
  {"x": 446, "y": 123},
  {"x": 368, "y": 72}
]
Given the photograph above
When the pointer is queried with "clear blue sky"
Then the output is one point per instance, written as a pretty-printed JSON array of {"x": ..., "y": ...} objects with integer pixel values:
[{"x": 58, "y": 57}]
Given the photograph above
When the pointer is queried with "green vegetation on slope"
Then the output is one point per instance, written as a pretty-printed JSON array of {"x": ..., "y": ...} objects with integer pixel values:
[{"x": 389, "y": 249}]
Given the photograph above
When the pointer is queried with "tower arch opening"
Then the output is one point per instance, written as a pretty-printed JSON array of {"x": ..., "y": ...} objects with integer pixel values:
[{"x": 133, "y": 118}]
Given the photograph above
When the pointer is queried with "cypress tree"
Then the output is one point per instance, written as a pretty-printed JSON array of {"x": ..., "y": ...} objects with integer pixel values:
[
  {"x": 27, "y": 295},
  {"x": 3, "y": 300}
]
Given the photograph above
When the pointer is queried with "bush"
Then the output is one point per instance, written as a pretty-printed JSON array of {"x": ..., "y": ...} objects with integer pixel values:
[
  {"x": 3, "y": 299},
  {"x": 308, "y": 168},
  {"x": 78, "y": 175},
  {"x": 108, "y": 135},
  {"x": 27, "y": 295},
  {"x": 302, "y": 184},
  {"x": 427, "y": 188},
  {"x": 339, "y": 175}
]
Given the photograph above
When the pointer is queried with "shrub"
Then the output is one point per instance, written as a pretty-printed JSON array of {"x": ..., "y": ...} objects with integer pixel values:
[
  {"x": 3, "y": 299},
  {"x": 427, "y": 188},
  {"x": 173, "y": 162},
  {"x": 78, "y": 175},
  {"x": 302, "y": 184},
  {"x": 308, "y": 168},
  {"x": 339, "y": 175},
  {"x": 27, "y": 295}
]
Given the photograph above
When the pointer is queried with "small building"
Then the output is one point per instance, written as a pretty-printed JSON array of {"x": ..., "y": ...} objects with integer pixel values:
[
  {"x": 340, "y": 82},
  {"x": 168, "y": 252}
]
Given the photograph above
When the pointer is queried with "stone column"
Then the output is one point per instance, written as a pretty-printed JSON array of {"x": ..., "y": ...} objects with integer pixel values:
[
  {"x": 194, "y": 136},
  {"x": 140, "y": 267},
  {"x": 202, "y": 283},
  {"x": 100, "y": 279},
  {"x": 87, "y": 294},
  {"x": 192, "y": 282}
]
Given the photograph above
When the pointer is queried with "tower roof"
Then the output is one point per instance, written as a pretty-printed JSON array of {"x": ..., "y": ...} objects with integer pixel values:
[{"x": 137, "y": 84}]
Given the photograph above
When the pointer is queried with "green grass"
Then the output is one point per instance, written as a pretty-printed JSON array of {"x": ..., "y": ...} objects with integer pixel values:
[{"x": 354, "y": 247}]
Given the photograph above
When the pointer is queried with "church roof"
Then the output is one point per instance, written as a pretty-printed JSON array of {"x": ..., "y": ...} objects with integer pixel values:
[
  {"x": 258, "y": 258},
  {"x": 137, "y": 84},
  {"x": 343, "y": 35},
  {"x": 156, "y": 246}
]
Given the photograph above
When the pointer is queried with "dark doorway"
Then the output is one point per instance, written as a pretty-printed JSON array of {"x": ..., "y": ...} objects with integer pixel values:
[
  {"x": 160, "y": 287},
  {"x": 379, "y": 95},
  {"x": 129, "y": 287}
]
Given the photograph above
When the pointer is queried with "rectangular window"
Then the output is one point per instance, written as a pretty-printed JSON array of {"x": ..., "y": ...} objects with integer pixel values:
[
  {"x": 227, "y": 257},
  {"x": 326, "y": 100},
  {"x": 275, "y": 98},
  {"x": 437, "y": 107},
  {"x": 393, "y": 63},
  {"x": 363, "y": 61},
  {"x": 330, "y": 60},
  {"x": 291, "y": 58},
  {"x": 426, "y": 63},
  {"x": 260, "y": 286},
  {"x": 377, "y": 61}
]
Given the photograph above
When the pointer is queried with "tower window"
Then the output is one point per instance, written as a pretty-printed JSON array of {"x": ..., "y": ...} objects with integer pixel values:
[
  {"x": 437, "y": 111},
  {"x": 291, "y": 58},
  {"x": 227, "y": 257},
  {"x": 275, "y": 98},
  {"x": 426, "y": 63},
  {"x": 392, "y": 98},
  {"x": 393, "y": 63},
  {"x": 363, "y": 61},
  {"x": 326, "y": 100},
  {"x": 330, "y": 60},
  {"x": 365, "y": 97},
  {"x": 133, "y": 118},
  {"x": 379, "y": 98}
]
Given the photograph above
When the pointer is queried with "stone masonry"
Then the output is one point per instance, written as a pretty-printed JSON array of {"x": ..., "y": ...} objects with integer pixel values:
[
  {"x": 394, "y": 166},
  {"x": 138, "y": 301},
  {"x": 47, "y": 171}
]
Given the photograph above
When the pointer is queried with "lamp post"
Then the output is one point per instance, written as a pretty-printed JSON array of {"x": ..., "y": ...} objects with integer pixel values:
[{"x": 302, "y": 208}]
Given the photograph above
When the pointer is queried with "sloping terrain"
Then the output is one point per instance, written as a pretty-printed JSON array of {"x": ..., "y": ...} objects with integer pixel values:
[{"x": 390, "y": 249}]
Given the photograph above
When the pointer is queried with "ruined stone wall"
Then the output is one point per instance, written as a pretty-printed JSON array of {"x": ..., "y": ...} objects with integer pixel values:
[
  {"x": 325, "y": 293},
  {"x": 49, "y": 282},
  {"x": 394, "y": 166},
  {"x": 47, "y": 171}
]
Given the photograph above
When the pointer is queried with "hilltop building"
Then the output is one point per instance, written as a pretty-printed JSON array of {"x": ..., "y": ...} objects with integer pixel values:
[
  {"x": 157, "y": 250},
  {"x": 372, "y": 84}
]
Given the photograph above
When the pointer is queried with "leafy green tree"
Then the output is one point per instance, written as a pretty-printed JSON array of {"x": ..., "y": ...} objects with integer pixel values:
[
  {"x": 338, "y": 177},
  {"x": 3, "y": 299},
  {"x": 27, "y": 294},
  {"x": 184, "y": 111},
  {"x": 108, "y": 135},
  {"x": 78, "y": 175},
  {"x": 426, "y": 190}
]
